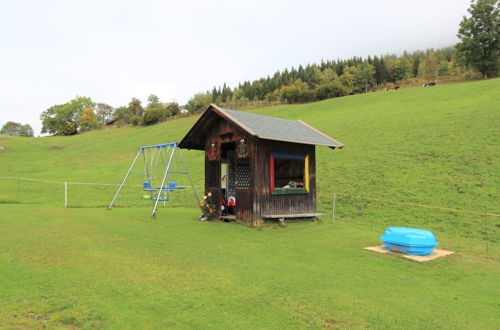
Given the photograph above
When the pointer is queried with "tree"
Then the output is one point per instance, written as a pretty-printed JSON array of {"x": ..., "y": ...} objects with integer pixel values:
[
  {"x": 298, "y": 92},
  {"x": 403, "y": 68},
  {"x": 152, "y": 115},
  {"x": 172, "y": 108},
  {"x": 428, "y": 69},
  {"x": 479, "y": 35},
  {"x": 152, "y": 100},
  {"x": 199, "y": 101},
  {"x": 123, "y": 115},
  {"x": 135, "y": 107},
  {"x": 364, "y": 76},
  {"x": 62, "y": 119},
  {"x": 154, "y": 112},
  {"x": 347, "y": 80},
  {"x": 88, "y": 120},
  {"x": 11, "y": 128},
  {"x": 26, "y": 130},
  {"x": 327, "y": 76},
  {"x": 104, "y": 112},
  {"x": 329, "y": 90},
  {"x": 16, "y": 129}
]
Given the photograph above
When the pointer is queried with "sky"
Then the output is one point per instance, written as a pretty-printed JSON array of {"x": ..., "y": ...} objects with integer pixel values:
[{"x": 111, "y": 51}]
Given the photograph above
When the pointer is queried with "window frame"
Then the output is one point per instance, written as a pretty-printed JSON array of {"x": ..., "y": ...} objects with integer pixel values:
[{"x": 288, "y": 191}]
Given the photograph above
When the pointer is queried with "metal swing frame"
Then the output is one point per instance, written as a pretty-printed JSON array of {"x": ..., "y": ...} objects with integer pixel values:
[{"x": 169, "y": 150}]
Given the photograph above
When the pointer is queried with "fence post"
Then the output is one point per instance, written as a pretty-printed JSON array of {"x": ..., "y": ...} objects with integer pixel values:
[
  {"x": 65, "y": 194},
  {"x": 333, "y": 207}
]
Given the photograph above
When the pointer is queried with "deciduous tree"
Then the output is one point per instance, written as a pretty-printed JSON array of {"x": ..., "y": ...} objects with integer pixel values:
[
  {"x": 104, "y": 112},
  {"x": 62, "y": 119},
  {"x": 88, "y": 120},
  {"x": 16, "y": 129}
]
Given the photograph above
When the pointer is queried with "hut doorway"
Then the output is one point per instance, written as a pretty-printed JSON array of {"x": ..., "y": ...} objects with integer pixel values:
[{"x": 228, "y": 177}]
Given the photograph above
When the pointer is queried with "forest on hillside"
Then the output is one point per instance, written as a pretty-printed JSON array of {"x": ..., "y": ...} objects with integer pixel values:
[{"x": 334, "y": 78}]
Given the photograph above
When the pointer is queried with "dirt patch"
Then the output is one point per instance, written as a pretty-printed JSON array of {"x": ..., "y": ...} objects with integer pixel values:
[
  {"x": 56, "y": 148},
  {"x": 3, "y": 201},
  {"x": 330, "y": 323},
  {"x": 68, "y": 326}
]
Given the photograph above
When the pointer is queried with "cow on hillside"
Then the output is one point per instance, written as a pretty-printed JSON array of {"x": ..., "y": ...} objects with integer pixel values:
[{"x": 392, "y": 88}]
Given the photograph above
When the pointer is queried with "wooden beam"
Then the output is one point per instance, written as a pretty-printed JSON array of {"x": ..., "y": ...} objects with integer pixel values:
[
  {"x": 335, "y": 142},
  {"x": 298, "y": 215}
]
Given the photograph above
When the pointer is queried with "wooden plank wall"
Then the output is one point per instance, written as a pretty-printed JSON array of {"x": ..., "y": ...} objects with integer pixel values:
[{"x": 267, "y": 204}]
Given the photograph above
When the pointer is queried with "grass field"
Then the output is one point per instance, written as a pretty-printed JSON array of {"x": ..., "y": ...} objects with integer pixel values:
[{"x": 87, "y": 267}]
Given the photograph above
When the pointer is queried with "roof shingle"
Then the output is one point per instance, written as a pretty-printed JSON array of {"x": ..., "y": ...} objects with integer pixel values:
[
  {"x": 262, "y": 127},
  {"x": 271, "y": 128}
]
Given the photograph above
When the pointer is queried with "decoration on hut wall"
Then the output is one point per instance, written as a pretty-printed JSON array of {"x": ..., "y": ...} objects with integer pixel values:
[
  {"x": 212, "y": 151},
  {"x": 242, "y": 149}
]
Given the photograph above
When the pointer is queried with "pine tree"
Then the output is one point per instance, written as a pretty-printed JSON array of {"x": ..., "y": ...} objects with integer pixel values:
[{"x": 480, "y": 37}]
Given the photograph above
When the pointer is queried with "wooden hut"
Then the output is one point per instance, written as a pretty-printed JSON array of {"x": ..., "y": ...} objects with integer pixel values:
[{"x": 267, "y": 164}]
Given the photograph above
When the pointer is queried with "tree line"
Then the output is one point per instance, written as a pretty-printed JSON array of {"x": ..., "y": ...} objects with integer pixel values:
[
  {"x": 82, "y": 115},
  {"x": 336, "y": 78}
]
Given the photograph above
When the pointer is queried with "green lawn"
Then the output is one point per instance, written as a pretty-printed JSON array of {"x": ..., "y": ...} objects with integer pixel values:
[
  {"x": 89, "y": 267},
  {"x": 96, "y": 268}
]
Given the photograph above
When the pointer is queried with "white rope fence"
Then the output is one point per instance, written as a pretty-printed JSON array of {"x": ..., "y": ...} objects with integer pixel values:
[
  {"x": 338, "y": 195},
  {"x": 66, "y": 183},
  {"x": 72, "y": 182}
]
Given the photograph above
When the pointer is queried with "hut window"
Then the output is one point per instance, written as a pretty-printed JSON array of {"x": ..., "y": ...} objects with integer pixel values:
[
  {"x": 243, "y": 172},
  {"x": 289, "y": 173}
]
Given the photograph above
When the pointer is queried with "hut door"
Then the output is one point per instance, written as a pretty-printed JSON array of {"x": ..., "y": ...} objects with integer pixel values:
[
  {"x": 227, "y": 177},
  {"x": 231, "y": 184}
]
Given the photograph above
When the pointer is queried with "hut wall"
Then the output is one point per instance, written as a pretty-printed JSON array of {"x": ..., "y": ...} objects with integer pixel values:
[{"x": 266, "y": 203}]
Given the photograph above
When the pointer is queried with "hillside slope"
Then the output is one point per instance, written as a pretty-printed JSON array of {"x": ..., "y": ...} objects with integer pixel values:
[
  {"x": 434, "y": 146},
  {"x": 425, "y": 157}
]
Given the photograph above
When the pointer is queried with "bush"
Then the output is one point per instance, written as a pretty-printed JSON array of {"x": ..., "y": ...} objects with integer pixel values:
[
  {"x": 330, "y": 90},
  {"x": 151, "y": 116}
]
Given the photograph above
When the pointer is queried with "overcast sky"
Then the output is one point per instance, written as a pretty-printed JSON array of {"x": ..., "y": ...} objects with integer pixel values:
[{"x": 111, "y": 51}]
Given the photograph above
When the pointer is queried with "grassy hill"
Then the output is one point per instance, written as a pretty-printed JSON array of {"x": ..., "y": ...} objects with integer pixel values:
[{"x": 436, "y": 147}]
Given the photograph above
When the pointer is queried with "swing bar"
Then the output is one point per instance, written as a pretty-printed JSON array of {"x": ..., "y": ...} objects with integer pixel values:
[{"x": 160, "y": 146}]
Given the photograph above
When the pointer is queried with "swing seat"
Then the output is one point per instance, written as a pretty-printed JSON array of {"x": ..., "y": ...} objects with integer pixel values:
[
  {"x": 173, "y": 185},
  {"x": 161, "y": 199},
  {"x": 165, "y": 189}
]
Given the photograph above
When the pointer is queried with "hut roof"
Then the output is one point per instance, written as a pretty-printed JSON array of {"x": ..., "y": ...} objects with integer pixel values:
[{"x": 262, "y": 127}]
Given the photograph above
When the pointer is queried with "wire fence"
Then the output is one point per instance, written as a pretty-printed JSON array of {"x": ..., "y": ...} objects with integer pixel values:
[
  {"x": 129, "y": 194},
  {"x": 75, "y": 194},
  {"x": 366, "y": 211}
]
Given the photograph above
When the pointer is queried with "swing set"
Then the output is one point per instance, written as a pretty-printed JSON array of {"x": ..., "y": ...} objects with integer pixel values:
[{"x": 161, "y": 161}]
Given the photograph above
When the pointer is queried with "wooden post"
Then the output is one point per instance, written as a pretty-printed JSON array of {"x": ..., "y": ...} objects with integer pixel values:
[
  {"x": 333, "y": 207},
  {"x": 65, "y": 194}
]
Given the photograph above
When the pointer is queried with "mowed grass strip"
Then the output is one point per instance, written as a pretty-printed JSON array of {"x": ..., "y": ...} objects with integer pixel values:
[{"x": 95, "y": 268}]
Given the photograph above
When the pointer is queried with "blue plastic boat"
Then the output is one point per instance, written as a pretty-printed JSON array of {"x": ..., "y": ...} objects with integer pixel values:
[{"x": 413, "y": 241}]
